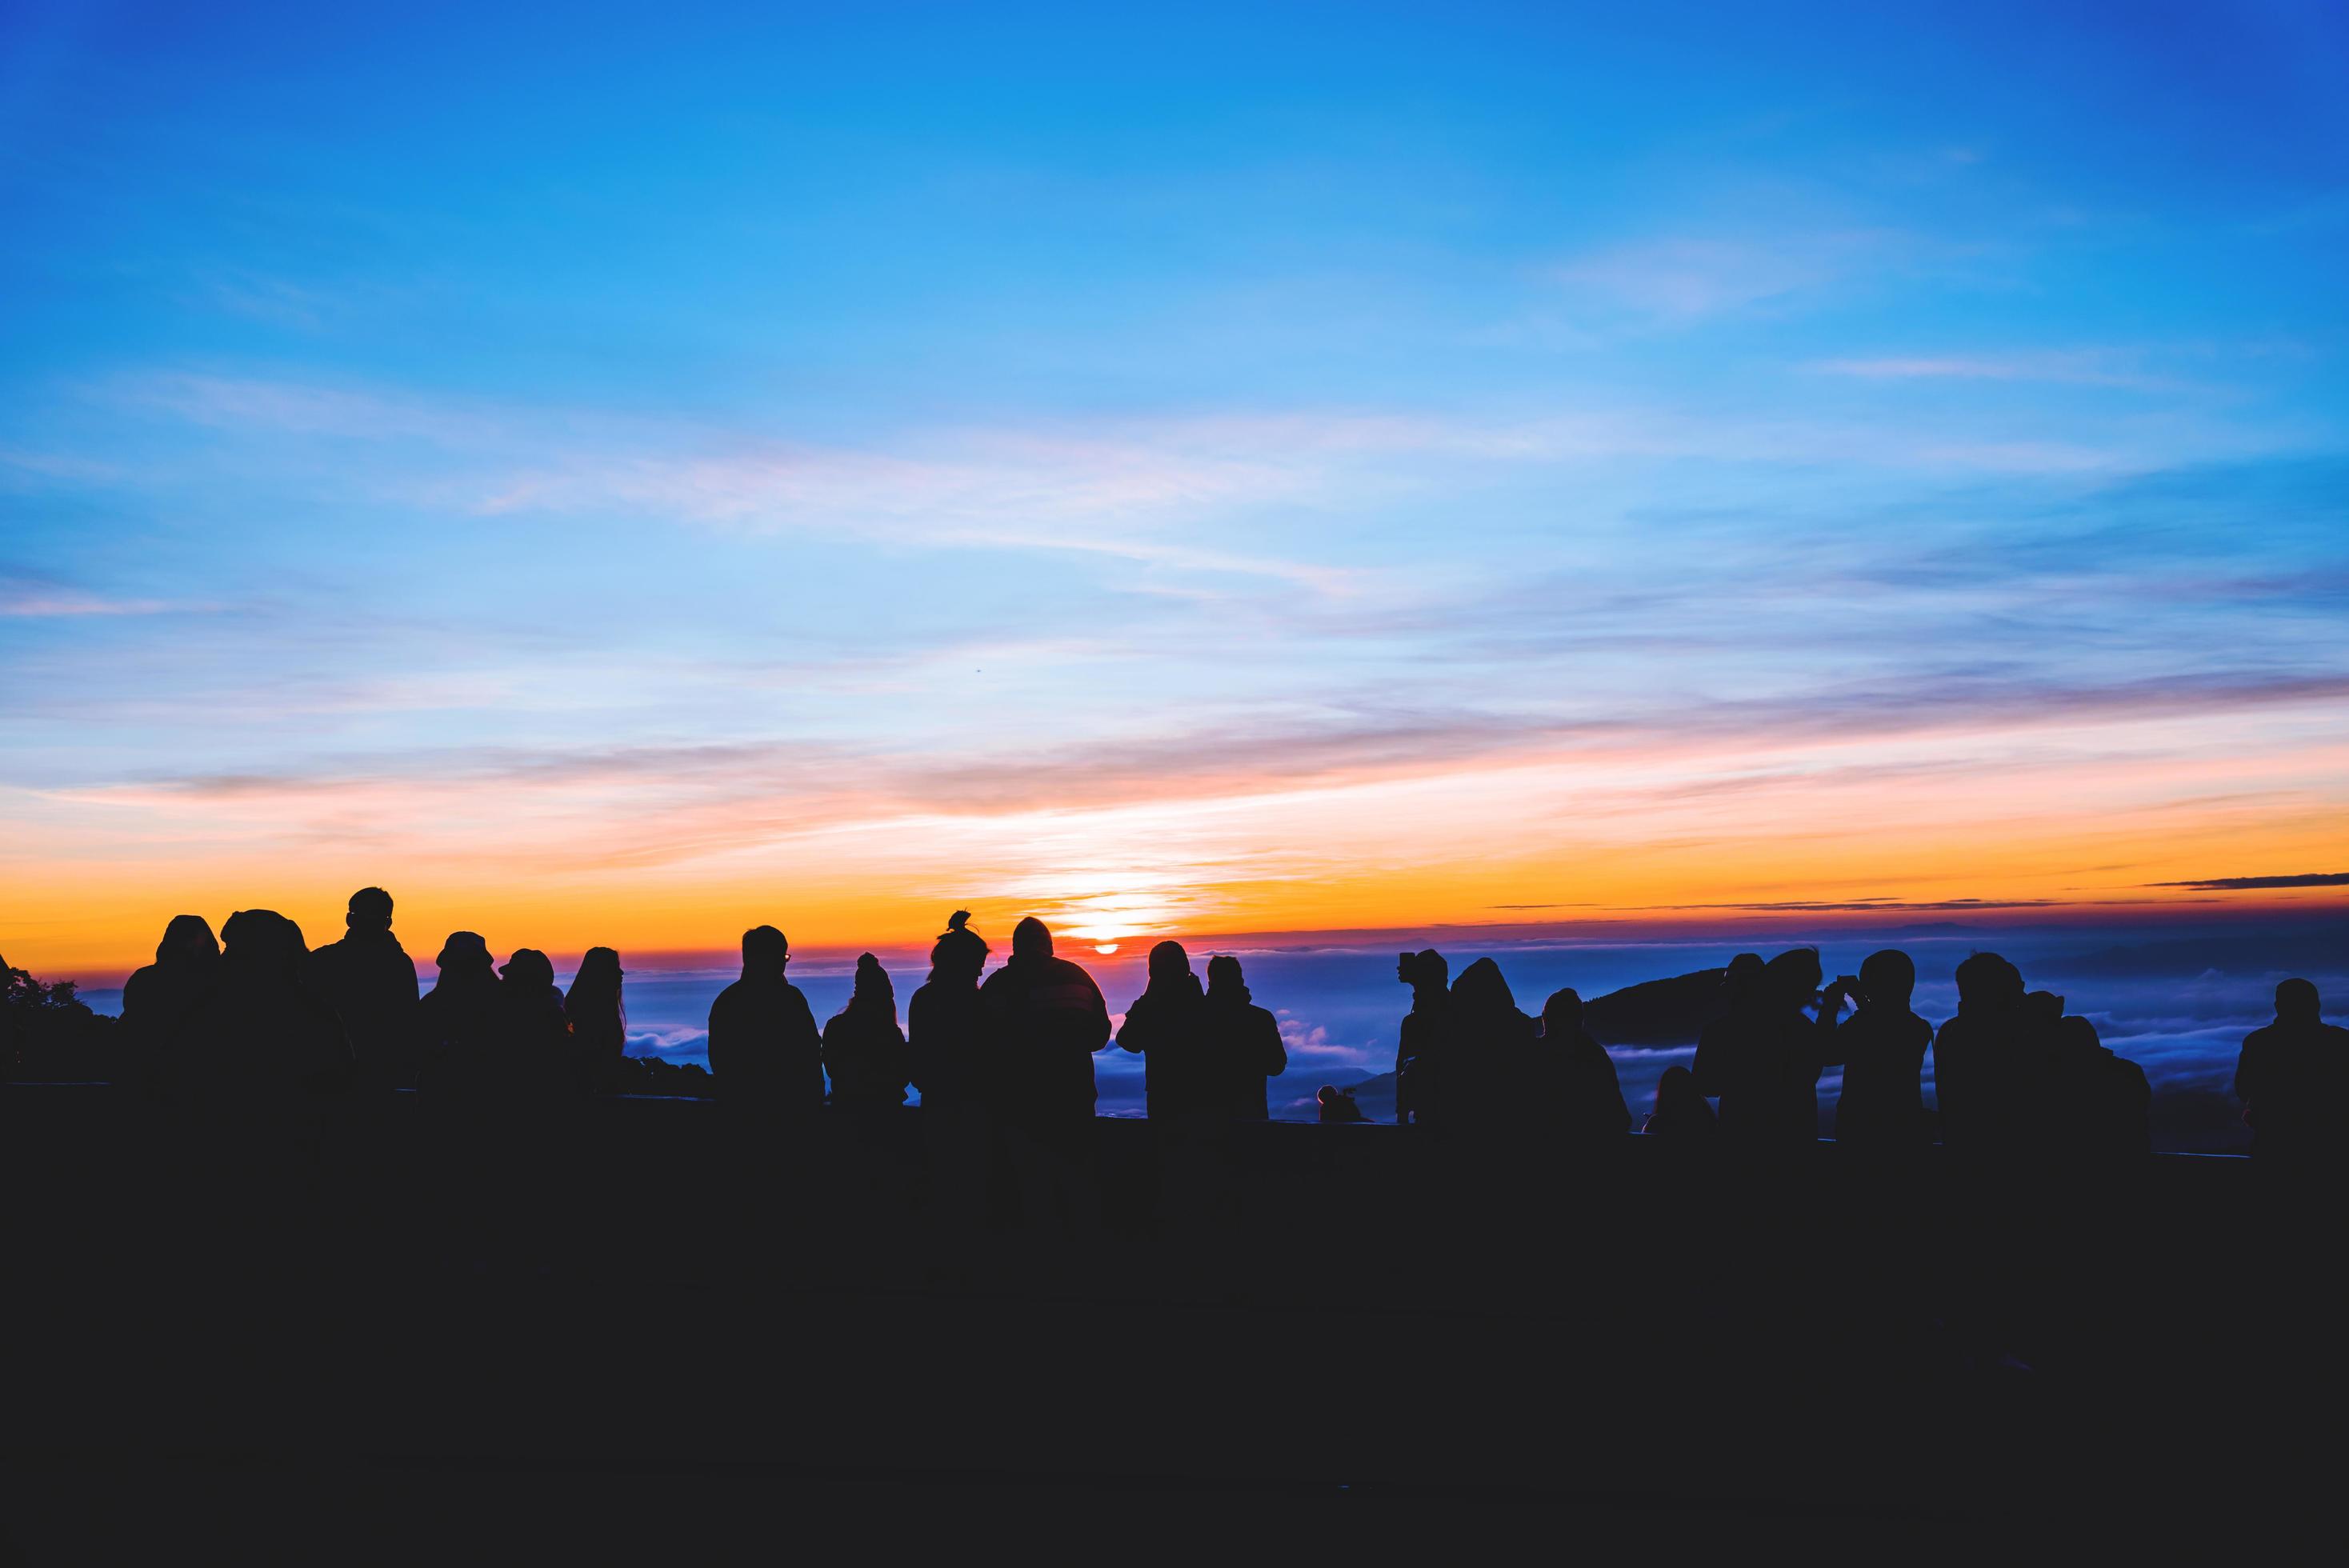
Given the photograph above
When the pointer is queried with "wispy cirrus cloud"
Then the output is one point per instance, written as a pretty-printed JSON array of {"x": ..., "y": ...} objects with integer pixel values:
[
  {"x": 2241, "y": 884},
  {"x": 54, "y": 604},
  {"x": 1680, "y": 280},
  {"x": 2079, "y": 368}
]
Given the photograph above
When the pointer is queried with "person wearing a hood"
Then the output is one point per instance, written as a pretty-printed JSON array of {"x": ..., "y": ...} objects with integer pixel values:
[
  {"x": 1044, "y": 1019},
  {"x": 163, "y": 1003},
  {"x": 1164, "y": 1026},
  {"x": 1486, "y": 1043},
  {"x": 1419, "y": 1044},
  {"x": 1733, "y": 1056},
  {"x": 1047, "y": 1019},
  {"x": 1681, "y": 1113},
  {"x": 863, "y": 1049},
  {"x": 1577, "y": 1076},
  {"x": 2103, "y": 1114},
  {"x": 764, "y": 1050},
  {"x": 1883, "y": 1046},
  {"x": 457, "y": 1025},
  {"x": 267, "y": 1032},
  {"x": 370, "y": 982},
  {"x": 1244, "y": 1045}
]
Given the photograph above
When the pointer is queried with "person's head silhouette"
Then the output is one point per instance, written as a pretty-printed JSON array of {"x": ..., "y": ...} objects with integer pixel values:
[
  {"x": 188, "y": 941},
  {"x": 1791, "y": 979},
  {"x": 765, "y": 953},
  {"x": 1224, "y": 981},
  {"x": 465, "y": 955},
  {"x": 1032, "y": 938},
  {"x": 2045, "y": 1007},
  {"x": 1987, "y": 981},
  {"x": 1562, "y": 1015},
  {"x": 1169, "y": 965},
  {"x": 1482, "y": 988},
  {"x": 959, "y": 952},
  {"x": 529, "y": 972},
  {"x": 873, "y": 991},
  {"x": 599, "y": 974},
  {"x": 262, "y": 944},
  {"x": 1888, "y": 979},
  {"x": 1742, "y": 980},
  {"x": 2298, "y": 1003},
  {"x": 1427, "y": 972},
  {"x": 371, "y": 909}
]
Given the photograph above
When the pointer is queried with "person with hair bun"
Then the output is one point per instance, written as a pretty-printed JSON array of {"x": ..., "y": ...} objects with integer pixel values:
[
  {"x": 947, "y": 1054},
  {"x": 943, "y": 1036}
]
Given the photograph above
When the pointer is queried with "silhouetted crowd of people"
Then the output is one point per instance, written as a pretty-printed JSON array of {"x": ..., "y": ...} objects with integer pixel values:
[{"x": 258, "y": 1014}]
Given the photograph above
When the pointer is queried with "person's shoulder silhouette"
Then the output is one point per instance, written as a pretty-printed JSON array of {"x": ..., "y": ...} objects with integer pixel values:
[
  {"x": 370, "y": 982},
  {"x": 863, "y": 1050},
  {"x": 1419, "y": 1044},
  {"x": 162, "y": 1005},
  {"x": 1882, "y": 1047},
  {"x": 598, "y": 1017},
  {"x": 533, "y": 1061},
  {"x": 267, "y": 1028},
  {"x": 1045, "y": 1017},
  {"x": 1244, "y": 1050},
  {"x": 1680, "y": 1112},
  {"x": 1577, "y": 1074},
  {"x": 1167, "y": 1026},
  {"x": 764, "y": 1048},
  {"x": 944, "y": 1044},
  {"x": 2293, "y": 1078}
]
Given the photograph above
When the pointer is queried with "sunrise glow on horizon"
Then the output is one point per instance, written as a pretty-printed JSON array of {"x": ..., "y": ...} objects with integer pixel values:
[{"x": 1319, "y": 471}]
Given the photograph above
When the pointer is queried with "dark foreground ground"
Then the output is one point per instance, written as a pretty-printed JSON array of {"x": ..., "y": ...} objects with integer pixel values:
[{"x": 644, "y": 1332}]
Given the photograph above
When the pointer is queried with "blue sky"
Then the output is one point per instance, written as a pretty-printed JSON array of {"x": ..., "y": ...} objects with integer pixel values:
[{"x": 1228, "y": 470}]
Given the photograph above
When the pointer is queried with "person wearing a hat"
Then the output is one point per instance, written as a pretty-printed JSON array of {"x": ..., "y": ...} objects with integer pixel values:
[{"x": 457, "y": 1023}]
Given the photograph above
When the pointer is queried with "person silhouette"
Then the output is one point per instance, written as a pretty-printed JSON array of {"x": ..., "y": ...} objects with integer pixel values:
[
  {"x": 267, "y": 1033},
  {"x": 1045, "y": 1018},
  {"x": 2293, "y": 1077},
  {"x": 947, "y": 1053},
  {"x": 162, "y": 1004},
  {"x": 1680, "y": 1112},
  {"x": 1337, "y": 1104},
  {"x": 598, "y": 1017},
  {"x": 1577, "y": 1076},
  {"x": 2103, "y": 1106},
  {"x": 1486, "y": 1046},
  {"x": 1800, "y": 1046},
  {"x": 457, "y": 1025},
  {"x": 1243, "y": 1048},
  {"x": 533, "y": 1062},
  {"x": 370, "y": 982},
  {"x": 1420, "y": 1043},
  {"x": 1733, "y": 1057},
  {"x": 944, "y": 1042},
  {"x": 863, "y": 1050},
  {"x": 1990, "y": 1064},
  {"x": 1165, "y": 1025},
  {"x": 765, "y": 1052},
  {"x": 1882, "y": 1046}
]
